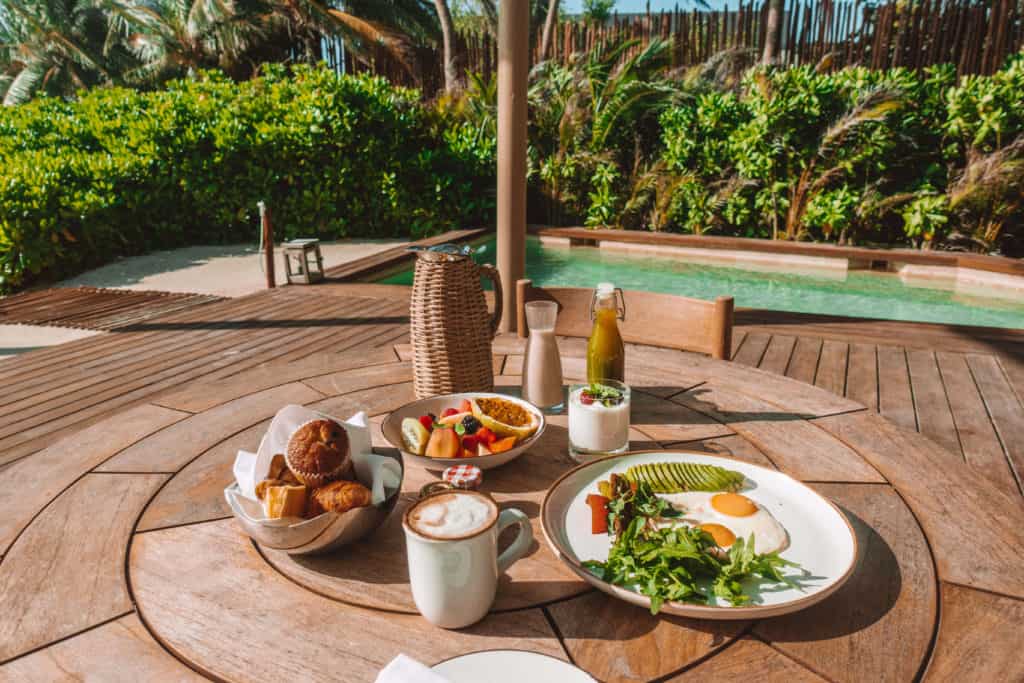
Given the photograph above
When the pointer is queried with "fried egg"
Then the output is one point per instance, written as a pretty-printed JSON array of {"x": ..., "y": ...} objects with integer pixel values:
[{"x": 728, "y": 516}]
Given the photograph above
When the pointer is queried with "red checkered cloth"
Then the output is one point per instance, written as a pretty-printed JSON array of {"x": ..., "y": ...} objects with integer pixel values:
[{"x": 463, "y": 476}]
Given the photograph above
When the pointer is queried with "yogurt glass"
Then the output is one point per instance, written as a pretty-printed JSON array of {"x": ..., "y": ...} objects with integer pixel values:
[{"x": 598, "y": 419}]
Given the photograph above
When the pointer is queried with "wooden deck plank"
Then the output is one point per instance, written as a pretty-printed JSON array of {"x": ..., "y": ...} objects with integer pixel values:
[
  {"x": 895, "y": 398},
  {"x": 1005, "y": 411},
  {"x": 978, "y": 437},
  {"x": 931, "y": 405},
  {"x": 776, "y": 357},
  {"x": 734, "y": 664},
  {"x": 737, "y": 342},
  {"x": 752, "y": 350},
  {"x": 831, "y": 373},
  {"x": 862, "y": 375},
  {"x": 804, "y": 362}
]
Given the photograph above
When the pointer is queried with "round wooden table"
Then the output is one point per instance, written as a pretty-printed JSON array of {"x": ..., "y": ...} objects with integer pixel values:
[{"x": 121, "y": 559}]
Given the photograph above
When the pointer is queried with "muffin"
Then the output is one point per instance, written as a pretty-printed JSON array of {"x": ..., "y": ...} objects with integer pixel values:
[{"x": 318, "y": 452}]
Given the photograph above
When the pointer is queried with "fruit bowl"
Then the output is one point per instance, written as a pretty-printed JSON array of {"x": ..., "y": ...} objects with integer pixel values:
[{"x": 436, "y": 405}]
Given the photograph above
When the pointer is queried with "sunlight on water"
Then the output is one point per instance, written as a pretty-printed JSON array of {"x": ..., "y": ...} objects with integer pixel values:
[{"x": 861, "y": 294}]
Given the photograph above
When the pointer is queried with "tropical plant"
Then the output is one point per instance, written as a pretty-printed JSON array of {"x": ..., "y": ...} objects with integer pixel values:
[{"x": 598, "y": 11}]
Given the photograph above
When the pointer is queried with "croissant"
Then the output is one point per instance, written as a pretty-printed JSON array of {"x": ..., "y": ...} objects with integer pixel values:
[{"x": 341, "y": 496}]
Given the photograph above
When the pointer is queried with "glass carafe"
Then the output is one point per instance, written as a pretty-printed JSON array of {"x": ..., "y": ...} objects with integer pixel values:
[
  {"x": 606, "y": 354},
  {"x": 542, "y": 366}
]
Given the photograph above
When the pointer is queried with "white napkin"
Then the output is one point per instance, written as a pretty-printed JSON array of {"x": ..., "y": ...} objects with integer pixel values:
[
  {"x": 404, "y": 669},
  {"x": 382, "y": 475}
]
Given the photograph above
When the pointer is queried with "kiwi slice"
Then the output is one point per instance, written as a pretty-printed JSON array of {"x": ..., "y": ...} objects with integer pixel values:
[{"x": 674, "y": 477}]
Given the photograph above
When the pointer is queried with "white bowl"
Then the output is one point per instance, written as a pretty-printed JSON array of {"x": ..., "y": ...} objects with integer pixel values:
[{"x": 392, "y": 428}]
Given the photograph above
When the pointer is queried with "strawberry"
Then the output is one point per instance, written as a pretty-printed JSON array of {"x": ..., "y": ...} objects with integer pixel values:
[
  {"x": 469, "y": 442},
  {"x": 449, "y": 411},
  {"x": 427, "y": 421},
  {"x": 585, "y": 398},
  {"x": 485, "y": 436}
]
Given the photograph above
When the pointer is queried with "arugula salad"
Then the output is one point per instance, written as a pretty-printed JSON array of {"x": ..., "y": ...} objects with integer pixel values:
[{"x": 659, "y": 554}]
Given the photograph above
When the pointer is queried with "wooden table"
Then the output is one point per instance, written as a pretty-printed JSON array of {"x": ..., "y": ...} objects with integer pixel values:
[{"x": 120, "y": 559}]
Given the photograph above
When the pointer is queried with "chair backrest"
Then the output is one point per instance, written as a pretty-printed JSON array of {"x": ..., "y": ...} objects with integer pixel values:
[{"x": 657, "y": 319}]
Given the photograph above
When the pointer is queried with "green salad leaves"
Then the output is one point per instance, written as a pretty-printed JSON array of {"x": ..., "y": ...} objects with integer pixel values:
[{"x": 671, "y": 563}]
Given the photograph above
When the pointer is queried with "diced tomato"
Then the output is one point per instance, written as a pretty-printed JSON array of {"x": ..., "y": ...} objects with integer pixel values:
[
  {"x": 427, "y": 421},
  {"x": 449, "y": 411},
  {"x": 465, "y": 406},
  {"x": 486, "y": 436},
  {"x": 598, "y": 513}
]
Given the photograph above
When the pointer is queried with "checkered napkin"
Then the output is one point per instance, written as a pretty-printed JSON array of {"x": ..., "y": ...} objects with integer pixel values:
[{"x": 463, "y": 476}]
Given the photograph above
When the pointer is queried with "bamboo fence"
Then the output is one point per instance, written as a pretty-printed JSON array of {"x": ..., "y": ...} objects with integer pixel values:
[{"x": 976, "y": 36}]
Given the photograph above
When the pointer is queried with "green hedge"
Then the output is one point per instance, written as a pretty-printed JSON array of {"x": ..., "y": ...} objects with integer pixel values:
[{"x": 121, "y": 172}]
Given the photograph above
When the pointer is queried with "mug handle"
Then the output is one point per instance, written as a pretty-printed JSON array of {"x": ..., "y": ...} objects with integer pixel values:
[
  {"x": 491, "y": 273},
  {"x": 524, "y": 538}
]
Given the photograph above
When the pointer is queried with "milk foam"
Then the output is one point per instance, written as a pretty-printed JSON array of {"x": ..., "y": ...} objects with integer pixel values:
[{"x": 451, "y": 515}]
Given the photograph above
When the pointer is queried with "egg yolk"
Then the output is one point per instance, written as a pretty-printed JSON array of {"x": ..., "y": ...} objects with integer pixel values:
[
  {"x": 733, "y": 504},
  {"x": 723, "y": 537}
]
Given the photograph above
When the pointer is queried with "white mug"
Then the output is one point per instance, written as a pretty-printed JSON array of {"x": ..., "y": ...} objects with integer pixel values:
[{"x": 454, "y": 580}]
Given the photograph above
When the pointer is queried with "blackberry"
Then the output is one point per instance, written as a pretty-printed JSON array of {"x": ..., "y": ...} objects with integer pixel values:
[{"x": 471, "y": 424}]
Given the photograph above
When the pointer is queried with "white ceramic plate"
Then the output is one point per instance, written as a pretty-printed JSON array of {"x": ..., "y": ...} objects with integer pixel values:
[
  {"x": 821, "y": 540},
  {"x": 510, "y": 666},
  {"x": 392, "y": 428}
]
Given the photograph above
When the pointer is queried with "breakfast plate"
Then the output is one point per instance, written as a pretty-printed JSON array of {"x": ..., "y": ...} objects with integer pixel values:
[
  {"x": 509, "y": 666},
  {"x": 437, "y": 406},
  {"x": 784, "y": 514}
]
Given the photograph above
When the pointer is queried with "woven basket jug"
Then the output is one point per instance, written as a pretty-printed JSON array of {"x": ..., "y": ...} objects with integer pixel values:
[{"x": 451, "y": 327}]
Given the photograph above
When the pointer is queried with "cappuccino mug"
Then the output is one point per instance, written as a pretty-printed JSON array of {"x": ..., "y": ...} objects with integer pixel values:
[{"x": 451, "y": 540}]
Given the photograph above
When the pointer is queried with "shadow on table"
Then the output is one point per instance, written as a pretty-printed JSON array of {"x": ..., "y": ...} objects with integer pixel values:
[
  {"x": 866, "y": 598},
  {"x": 692, "y": 399}
]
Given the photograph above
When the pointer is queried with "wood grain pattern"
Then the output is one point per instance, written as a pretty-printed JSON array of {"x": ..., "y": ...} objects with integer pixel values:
[
  {"x": 752, "y": 350},
  {"x": 617, "y": 642},
  {"x": 196, "y": 493},
  {"x": 210, "y": 598},
  {"x": 1005, "y": 410},
  {"x": 954, "y": 504},
  {"x": 895, "y": 399},
  {"x": 804, "y": 362},
  {"x": 172, "y": 448},
  {"x": 880, "y": 623},
  {"x": 862, "y": 375},
  {"x": 978, "y": 639},
  {"x": 738, "y": 662},
  {"x": 796, "y": 446},
  {"x": 934, "y": 418},
  {"x": 65, "y": 573},
  {"x": 734, "y": 446},
  {"x": 87, "y": 657},
  {"x": 347, "y": 381},
  {"x": 28, "y": 485},
  {"x": 214, "y": 393},
  {"x": 831, "y": 373},
  {"x": 776, "y": 357},
  {"x": 668, "y": 421},
  {"x": 978, "y": 437}
]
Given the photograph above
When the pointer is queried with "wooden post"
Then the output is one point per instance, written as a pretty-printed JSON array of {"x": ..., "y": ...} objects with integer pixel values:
[
  {"x": 513, "y": 64},
  {"x": 268, "y": 245},
  {"x": 721, "y": 328}
]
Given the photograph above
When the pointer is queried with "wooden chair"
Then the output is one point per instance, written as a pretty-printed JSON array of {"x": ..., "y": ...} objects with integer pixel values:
[{"x": 656, "y": 319}]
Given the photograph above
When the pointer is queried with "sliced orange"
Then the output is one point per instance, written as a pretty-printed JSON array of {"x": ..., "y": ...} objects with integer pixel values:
[{"x": 499, "y": 446}]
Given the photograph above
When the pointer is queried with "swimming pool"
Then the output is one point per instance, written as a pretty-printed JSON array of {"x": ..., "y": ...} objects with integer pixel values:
[{"x": 851, "y": 293}]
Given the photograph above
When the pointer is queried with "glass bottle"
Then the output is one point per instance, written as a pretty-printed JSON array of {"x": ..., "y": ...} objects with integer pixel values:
[
  {"x": 606, "y": 355},
  {"x": 542, "y": 365}
]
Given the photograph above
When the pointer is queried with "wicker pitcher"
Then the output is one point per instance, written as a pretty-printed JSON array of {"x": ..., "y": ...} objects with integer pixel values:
[{"x": 451, "y": 328}]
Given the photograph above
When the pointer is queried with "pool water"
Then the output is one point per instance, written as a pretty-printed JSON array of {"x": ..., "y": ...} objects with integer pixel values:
[{"x": 859, "y": 294}]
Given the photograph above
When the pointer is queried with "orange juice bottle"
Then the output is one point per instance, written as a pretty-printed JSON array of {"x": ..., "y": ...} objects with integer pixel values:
[{"x": 606, "y": 355}]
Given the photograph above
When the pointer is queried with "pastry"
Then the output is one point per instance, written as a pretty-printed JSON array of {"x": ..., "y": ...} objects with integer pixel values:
[
  {"x": 277, "y": 467},
  {"x": 340, "y": 496},
  {"x": 318, "y": 452},
  {"x": 285, "y": 501},
  {"x": 261, "y": 488}
]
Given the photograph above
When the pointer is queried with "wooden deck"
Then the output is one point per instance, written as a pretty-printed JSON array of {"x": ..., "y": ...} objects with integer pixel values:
[{"x": 961, "y": 386}]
